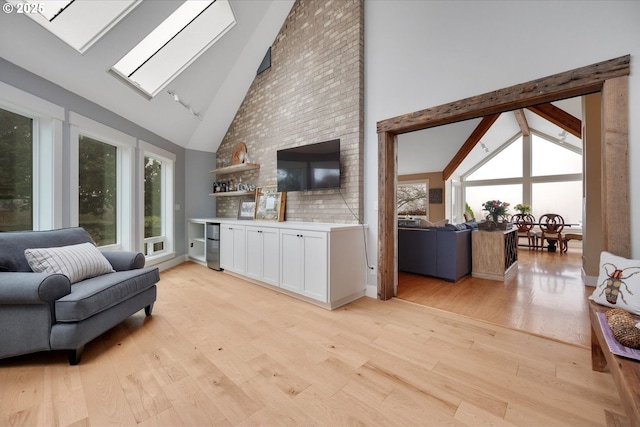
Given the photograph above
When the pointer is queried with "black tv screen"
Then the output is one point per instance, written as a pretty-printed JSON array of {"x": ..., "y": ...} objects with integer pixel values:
[{"x": 309, "y": 167}]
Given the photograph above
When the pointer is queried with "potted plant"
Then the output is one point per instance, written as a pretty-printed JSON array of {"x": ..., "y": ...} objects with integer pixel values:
[
  {"x": 522, "y": 208},
  {"x": 497, "y": 211}
]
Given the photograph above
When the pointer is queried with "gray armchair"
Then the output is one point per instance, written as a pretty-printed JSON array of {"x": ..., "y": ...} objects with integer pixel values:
[{"x": 44, "y": 311}]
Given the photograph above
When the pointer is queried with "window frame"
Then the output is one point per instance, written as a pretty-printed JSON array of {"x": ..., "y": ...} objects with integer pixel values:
[
  {"x": 47, "y": 152},
  {"x": 125, "y": 144},
  {"x": 168, "y": 160}
]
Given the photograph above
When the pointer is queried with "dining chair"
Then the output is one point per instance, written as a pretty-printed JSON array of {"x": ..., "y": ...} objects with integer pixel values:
[
  {"x": 551, "y": 226},
  {"x": 524, "y": 224}
]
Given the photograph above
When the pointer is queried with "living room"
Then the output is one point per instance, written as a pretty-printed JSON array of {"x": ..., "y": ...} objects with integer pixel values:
[{"x": 412, "y": 60}]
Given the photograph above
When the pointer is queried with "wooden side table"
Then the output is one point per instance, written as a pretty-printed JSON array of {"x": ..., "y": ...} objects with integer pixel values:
[
  {"x": 494, "y": 254},
  {"x": 625, "y": 372}
]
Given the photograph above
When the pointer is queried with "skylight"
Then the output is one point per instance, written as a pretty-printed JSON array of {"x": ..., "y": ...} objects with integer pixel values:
[
  {"x": 175, "y": 44},
  {"x": 79, "y": 23}
]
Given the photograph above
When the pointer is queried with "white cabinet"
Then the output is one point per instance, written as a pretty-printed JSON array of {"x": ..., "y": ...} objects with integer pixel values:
[
  {"x": 196, "y": 230},
  {"x": 323, "y": 264},
  {"x": 263, "y": 256},
  {"x": 232, "y": 248},
  {"x": 304, "y": 262}
]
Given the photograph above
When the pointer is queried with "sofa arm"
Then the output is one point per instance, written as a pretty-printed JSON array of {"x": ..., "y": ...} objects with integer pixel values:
[
  {"x": 32, "y": 288},
  {"x": 124, "y": 260}
]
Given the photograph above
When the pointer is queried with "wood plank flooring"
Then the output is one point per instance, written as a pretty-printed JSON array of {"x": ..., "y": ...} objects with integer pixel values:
[
  {"x": 219, "y": 351},
  {"x": 547, "y": 296}
]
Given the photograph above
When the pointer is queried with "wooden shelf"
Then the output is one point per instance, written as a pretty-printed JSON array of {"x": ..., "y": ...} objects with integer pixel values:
[
  {"x": 236, "y": 168},
  {"x": 234, "y": 193}
]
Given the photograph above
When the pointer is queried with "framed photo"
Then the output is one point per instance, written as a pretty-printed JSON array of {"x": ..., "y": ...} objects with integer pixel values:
[
  {"x": 269, "y": 204},
  {"x": 435, "y": 195},
  {"x": 246, "y": 210}
]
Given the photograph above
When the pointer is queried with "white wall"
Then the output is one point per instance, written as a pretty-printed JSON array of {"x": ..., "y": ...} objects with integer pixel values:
[{"x": 420, "y": 54}]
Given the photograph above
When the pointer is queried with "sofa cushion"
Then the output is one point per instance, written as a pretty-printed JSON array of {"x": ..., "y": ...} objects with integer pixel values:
[
  {"x": 618, "y": 283},
  {"x": 77, "y": 262},
  {"x": 14, "y": 243},
  {"x": 97, "y": 294}
]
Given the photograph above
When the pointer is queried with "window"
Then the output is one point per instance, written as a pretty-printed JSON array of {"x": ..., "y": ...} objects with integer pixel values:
[
  {"x": 30, "y": 161},
  {"x": 78, "y": 23},
  {"x": 553, "y": 185},
  {"x": 98, "y": 189},
  {"x": 157, "y": 207},
  {"x": 174, "y": 44},
  {"x": 506, "y": 164},
  {"x": 16, "y": 172},
  {"x": 101, "y": 180},
  {"x": 476, "y": 196},
  {"x": 549, "y": 158},
  {"x": 561, "y": 197},
  {"x": 412, "y": 199}
]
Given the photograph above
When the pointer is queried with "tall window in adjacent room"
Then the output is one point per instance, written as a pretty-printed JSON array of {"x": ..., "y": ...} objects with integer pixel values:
[
  {"x": 16, "y": 172},
  {"x": 158, "y": 166},
  {"x": 97, "y": 190}
]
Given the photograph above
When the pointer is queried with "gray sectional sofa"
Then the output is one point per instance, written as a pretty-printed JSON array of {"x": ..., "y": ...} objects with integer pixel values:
[
  {"x": 443, "y": 252},
  {"x": 44, "y": 311}
]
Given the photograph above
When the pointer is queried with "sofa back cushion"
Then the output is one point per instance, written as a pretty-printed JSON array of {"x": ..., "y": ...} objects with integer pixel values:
[{"x": 13, "y": 244}]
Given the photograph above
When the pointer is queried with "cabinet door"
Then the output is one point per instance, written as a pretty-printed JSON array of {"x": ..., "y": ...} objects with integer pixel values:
[
  {"x": 303, "y": 260},
  {"x": 226, "y": 247},
  {"x": 315, "y": 283},
  {"x": 239, "y": 248},
  {"x": 270, "y": 256},
  {"x": 291, "y": 273},
  {"x": 254, "y": 252}
]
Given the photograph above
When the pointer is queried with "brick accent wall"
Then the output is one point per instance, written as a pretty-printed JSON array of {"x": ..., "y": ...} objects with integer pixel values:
[{"x": 313, "y": 92}]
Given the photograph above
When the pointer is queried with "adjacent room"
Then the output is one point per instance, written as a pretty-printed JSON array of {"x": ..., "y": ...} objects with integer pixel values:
[{"x": 305, "y": 212}]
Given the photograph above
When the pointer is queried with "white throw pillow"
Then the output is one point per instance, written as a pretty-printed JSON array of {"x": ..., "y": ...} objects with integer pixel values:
[
  {"x": 77, "y": 262},
  {"x": 618, "y": 283}
]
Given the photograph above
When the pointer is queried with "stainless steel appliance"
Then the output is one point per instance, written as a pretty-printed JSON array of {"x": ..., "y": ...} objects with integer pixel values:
[{"x": 213, "y": 246}]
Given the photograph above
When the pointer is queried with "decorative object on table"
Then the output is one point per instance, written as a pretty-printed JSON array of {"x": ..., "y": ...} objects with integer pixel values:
[
  {"x": 624, "y": 327},
  {"x": 238, "y": 154},
  {"x": 496, "y": 220},
  {"x": 246, "y": 210},
  {"x": 435, "y": 195},
  {"x": 618, "y": 283},
  {"x": 270, "y": 204},
  {"x": 522, "y": 208}
]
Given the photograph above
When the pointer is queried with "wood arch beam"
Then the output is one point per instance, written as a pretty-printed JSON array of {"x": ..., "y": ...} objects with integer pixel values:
[{"x": 474, "y": 138}]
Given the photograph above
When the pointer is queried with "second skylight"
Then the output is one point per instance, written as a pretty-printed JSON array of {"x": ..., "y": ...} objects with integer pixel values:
[{"x": 175, "y": 44}]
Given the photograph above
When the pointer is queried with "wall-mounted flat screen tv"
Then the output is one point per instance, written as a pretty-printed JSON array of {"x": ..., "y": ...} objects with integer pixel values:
[{"x": 309, "y": 167}]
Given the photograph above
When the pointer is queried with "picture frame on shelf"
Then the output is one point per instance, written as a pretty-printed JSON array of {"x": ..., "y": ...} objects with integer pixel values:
[
  {"x": 246, "y": 209},
  {"x": 269, "y": 204}
]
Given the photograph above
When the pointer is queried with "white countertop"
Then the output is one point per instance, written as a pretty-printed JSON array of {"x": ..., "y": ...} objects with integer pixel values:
[{"x": 310, "y": 226}]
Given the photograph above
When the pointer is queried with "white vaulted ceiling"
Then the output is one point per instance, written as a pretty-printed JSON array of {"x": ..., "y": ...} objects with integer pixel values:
[{"x": 213, "y": 86}]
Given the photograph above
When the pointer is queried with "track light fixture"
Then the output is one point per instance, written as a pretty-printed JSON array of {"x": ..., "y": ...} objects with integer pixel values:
[{"x": 177, "y": 99}]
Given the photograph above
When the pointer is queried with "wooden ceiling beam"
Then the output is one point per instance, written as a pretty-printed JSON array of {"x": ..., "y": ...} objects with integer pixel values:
[
  {"x": 559, "y": 117},
  {"x": 468, "y": 145},
  {"x": 522, "y": 122}
]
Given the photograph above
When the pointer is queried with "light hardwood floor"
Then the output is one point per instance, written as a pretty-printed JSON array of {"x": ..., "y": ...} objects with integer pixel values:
[
  {"x": 221, "y": 351},
  {"x": 547, "y": 297}
]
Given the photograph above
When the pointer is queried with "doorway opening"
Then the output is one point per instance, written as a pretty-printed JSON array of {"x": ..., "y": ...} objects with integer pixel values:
[{"x": 609, "y": 77}]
